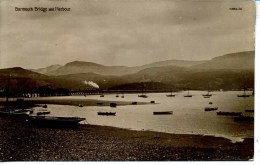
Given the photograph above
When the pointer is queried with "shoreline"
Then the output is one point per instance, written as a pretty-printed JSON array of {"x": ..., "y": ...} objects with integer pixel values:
[
  {"x": 30, "y": 102},
  {"x": 22, "y": 141}
]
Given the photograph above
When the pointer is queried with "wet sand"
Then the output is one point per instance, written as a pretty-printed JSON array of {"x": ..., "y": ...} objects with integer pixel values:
[{"x": 22, "y": 141}]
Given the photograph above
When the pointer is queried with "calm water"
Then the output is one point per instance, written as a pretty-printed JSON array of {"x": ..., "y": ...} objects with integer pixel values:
[{"x": 188, "y": 115}]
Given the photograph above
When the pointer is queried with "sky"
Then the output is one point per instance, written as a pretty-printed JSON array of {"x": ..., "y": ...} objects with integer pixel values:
[{"x": 123, "y": 32}]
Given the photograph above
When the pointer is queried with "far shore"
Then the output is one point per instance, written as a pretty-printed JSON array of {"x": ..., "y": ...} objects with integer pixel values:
[{"x": 30, "y": 102}]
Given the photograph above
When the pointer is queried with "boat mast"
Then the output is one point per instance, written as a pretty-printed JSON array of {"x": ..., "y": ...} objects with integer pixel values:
[
  {"x": 208, "y": 88},
  {"x": 7, "y": 91}
]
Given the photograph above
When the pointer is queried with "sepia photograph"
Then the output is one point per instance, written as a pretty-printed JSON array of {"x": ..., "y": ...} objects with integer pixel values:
[{"x": 127, "y": 80}]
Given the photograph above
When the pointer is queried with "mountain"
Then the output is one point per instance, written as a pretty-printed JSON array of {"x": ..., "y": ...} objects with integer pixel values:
[
  {"x": 87, "y": 67},
  {"x": 226, "y": 72},
  {"x": 178, "y": 63},
  {"x": 240, "y": 60},
  {"x": 22, "y": 80},
  {"x": 47, "y": 69},
  {"x": 183, "y": 78}
]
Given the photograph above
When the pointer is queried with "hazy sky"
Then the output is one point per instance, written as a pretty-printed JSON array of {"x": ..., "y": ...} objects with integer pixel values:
[{"x": 123, "y": 32}]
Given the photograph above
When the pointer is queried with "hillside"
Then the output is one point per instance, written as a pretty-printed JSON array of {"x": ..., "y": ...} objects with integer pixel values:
[
  {"x": 22, "y": 80},
  {"x": 240, "y": 60},
  {"x": 47, "y": 70},
  {"x": 228, "y": 72},
  {"x": 88, "y": 67}
]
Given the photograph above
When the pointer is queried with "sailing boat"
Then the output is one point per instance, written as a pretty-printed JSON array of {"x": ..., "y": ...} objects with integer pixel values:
[
  {"x": 244, "y": 94},
  {"x": 207, "y": 95},
  {"x": 122, "y": 95},
  {"x": 188, "y": 95},
  {"x": 170, "y": 95},
  {"x": 143, "y": 95}
]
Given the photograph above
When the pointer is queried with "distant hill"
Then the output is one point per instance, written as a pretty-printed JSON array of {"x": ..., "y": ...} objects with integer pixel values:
[
  {"x": 22, "y": 80},
  {"x": 240, "y": 60},
  {"x": 47, "y": 70},
  {"x": 228, "y": 72},
  {"x": 87, "y": 67},
  {"x": 178, "y": 63}
]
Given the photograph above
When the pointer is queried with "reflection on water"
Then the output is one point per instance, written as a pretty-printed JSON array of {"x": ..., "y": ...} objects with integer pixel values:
[{"x": 188, "y": 115}]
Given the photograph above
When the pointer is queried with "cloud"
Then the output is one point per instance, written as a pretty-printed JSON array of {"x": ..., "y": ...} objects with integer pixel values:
[{"x": 129, "y": 33}]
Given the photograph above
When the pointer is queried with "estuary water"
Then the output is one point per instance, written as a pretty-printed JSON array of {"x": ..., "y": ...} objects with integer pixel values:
[{"x": 188, "y": 115}]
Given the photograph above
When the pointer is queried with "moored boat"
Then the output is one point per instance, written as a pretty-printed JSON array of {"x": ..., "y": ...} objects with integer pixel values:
[
  {"x": 229, "y": 113},
  {"x": 244, "y": 94},
  {"x": 162, "y": 113},
  {"x": 143, "y": 96},
  {"x": 107, "y": 113},
  {"x": 16, "y": 112},
  {"x": 55, "y": 121},
  {"x": 170, "y": 95},
  {"x": 134, "y": 103},
  {"x": 43, "y": 112},
  {"x": 208, "y": 95},
  {"x": 211, "y": 108},
  {"x": 188, "y": 95},
  {"x": 244, "y": 118},
  {"x": 113, "y": 105}
]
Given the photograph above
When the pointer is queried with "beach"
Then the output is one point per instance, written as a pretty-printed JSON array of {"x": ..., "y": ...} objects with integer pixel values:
[{"x": 22, "y": 141}]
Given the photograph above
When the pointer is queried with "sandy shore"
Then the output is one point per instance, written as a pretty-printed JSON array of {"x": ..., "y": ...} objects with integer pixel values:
[{"x": 22, "y": 141}]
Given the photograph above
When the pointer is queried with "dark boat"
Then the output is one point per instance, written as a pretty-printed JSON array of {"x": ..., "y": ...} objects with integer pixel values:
[
  {"x": 113, "y": 105},
  {"x": 43, "y": 112},
  {"x": 206, "y": 96},
  {"x": 102, "y": 95},
  {"x": 143, "y": 96},
  {"x": 152, "y": 102},
  {"x": 229, "y": 113},
  {"x": 244, "y": 118},
  {"x": 55, "y": 121},
  {"x": 249, "y": 110},
  {"x": 107, "y": 113},
  {"x": 211, "y": 108},
  {"x": 163, "y": 113},
  {"x": 134, "y": 103},
  {"x": 44, "y": 106},
  {"x": 16, "y": 112}
]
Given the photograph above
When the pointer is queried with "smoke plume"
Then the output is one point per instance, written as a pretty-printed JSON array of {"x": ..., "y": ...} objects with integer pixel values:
[{"x": 91, "y": 83}]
